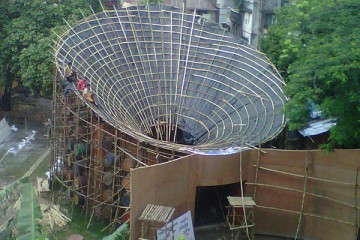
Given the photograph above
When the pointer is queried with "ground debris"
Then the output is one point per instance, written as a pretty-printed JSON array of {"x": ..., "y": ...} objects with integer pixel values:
[
  {"x": 52, "y": 215},
  {"x": 10, "y": 197}
]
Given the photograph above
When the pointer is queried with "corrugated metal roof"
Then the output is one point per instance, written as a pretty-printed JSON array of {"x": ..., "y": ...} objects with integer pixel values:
[{"x": 318, "y": 127}]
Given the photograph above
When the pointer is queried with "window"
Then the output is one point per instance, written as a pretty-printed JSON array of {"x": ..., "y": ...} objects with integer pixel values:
[{"x": 269, "y": 19}]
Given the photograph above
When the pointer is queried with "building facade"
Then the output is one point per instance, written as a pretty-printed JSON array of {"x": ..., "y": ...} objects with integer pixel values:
[{"x": 254, "y": 18}]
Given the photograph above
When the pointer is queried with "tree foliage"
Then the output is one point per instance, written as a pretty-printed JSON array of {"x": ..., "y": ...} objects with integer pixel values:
[
  {"x": 315, "y": 46},
  {"x": 26, "y": 35}
]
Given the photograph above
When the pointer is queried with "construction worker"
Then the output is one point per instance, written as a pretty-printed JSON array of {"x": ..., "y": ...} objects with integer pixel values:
[
  {"x": 68, "y": 71},
  {"x": 81, "y": 85},
  {"x": 87, "y": 94}
]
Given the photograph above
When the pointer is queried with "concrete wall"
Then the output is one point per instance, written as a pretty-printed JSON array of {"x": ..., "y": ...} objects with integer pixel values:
[
  {"x": 36, "y": 110},
  {"x": 328, "y": 204}
]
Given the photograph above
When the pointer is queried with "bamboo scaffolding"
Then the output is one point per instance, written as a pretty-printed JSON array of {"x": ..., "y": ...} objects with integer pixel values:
[{"x": 92, "y": 198}]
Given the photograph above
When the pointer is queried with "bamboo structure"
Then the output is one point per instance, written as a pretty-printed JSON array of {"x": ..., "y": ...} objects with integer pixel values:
[
  {"x": 298, "y": 229},
  {"x": 93, "y": 161},
  {"x": 164, "y": 83},
  {"x": 172, "y": 78}
]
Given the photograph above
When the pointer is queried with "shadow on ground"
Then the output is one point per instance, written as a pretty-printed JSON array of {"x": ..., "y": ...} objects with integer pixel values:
[{"x": 222, "y": 232}]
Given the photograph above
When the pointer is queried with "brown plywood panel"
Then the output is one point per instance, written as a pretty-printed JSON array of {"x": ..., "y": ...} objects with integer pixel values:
[
  {"x": 329, "y": 209},
  {"x": 316, "y": 228},
  {"x": 275, "y": 223},
  {"x": 164, "y": 184},
  {"x": 338, "y": 166},
  {"x": 175, "y": 183},
  {"x": 278, "y": 198},
  {"x": 218, "y": 170}
]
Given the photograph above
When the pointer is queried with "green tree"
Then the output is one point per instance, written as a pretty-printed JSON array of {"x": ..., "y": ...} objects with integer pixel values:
[
  {"x": 315, "y": 46},
  {"x": 27, "y": 33}
]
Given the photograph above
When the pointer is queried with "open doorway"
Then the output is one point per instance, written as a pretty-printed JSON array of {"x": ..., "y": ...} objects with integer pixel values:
[{"x": 211, "y": 202}]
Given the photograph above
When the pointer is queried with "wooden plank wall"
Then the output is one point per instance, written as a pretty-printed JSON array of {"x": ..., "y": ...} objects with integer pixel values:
[{"x": 327, "y": 209}]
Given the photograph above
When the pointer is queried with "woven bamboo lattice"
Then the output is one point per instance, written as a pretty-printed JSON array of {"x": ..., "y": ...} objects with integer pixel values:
[{"x": 175, "y": 80}]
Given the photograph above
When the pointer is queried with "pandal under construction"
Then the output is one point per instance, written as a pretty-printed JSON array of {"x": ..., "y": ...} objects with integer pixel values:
[{"x": 164, "y": 83}]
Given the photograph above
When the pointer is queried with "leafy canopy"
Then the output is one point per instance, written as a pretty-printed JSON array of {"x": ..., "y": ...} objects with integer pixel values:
[
  {"x": 26, "y": 35},
  {"x": 315, "y": 46}
]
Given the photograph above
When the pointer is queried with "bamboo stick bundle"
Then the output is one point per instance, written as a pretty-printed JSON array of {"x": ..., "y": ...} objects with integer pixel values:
[{"x": 52, "y": 215}]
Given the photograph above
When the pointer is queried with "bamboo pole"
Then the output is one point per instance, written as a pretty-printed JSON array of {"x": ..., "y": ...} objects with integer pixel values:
[
  {"x": 63, "y": 130},
  {"x": 257, "y": 171},
  {"x": 242, "y": 196},
  {"x": 182, "y": 90},
  {"x": 114, "y": 175},
  {"x": 91, "y": 216},
  {"x": 301, "y": 176},
  {"x": 56, "y": 127},
  {"x": 91, "y": 126},
  {"x": 303, "y": 196},
  {"x": 300, "y": 191},
  {"x": 112, "y": 223}
]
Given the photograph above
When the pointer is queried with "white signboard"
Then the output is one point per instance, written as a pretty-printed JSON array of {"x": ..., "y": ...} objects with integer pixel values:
[{"x": 183, "y": 229}]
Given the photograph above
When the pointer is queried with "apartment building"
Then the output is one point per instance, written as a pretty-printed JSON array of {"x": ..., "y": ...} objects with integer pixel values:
[{"x": 252, "y": 18}]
